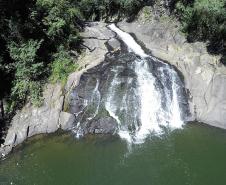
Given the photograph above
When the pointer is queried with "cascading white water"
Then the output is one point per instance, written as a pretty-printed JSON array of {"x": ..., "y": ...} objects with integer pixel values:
[
  {"x": 129, "y": 41},
  {"x": 131, "y": 94},
  {"x": 111, "y": 107},
  {"x": 175, "y": 110},
  {"x": 95, "y": 98},
  {"x": 152, "y": 114},
  {"x": 150, "y": 102}
]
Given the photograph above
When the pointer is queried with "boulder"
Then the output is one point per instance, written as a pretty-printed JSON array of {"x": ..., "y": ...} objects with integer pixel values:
[
  {"x": 104, "y": 125},
  {"x": 66, "y": 121},
  {"x": 114, "y": 44}
]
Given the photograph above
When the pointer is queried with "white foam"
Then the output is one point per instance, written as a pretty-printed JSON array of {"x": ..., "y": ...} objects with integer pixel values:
[
  {"x": 129, "y": 41},
  {"x": 150, "y": 102},
  {"x": 176, "y": 121},
  {"x": 152, "y": 114},
  {"x": 124, "y": 134}
]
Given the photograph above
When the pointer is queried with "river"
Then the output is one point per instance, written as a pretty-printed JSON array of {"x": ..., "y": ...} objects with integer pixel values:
[{"x": 194, "y": 155}]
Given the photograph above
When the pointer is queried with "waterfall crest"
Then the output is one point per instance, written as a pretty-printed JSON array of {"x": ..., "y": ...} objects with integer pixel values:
[{"x": 129, "y": 41}]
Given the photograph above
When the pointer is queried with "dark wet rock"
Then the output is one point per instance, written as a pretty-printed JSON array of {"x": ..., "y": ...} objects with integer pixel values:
[
  {"x": 113, "y": 86},
  {"x": 103, "y": 125},
  {"x": 203, "y": 74},
  {"x": 54, "y": 114}
]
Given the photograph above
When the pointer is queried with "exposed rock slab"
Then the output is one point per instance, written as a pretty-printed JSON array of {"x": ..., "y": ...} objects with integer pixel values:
[
  {"x": 31, "y": 120},
  {"x": 51, "y": 116},
  {"x": 95, "y": 37},
  {"x": 66, "y": 120},
  {"x": 204, "y": 76}
]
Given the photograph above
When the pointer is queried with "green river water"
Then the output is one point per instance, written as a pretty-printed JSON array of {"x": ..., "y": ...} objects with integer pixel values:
[{"x": 195, "y": 155}]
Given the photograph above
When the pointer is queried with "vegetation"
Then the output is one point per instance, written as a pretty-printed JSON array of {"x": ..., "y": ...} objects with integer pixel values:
[
  {"x": 204, "y": 20},
  {"x": 35, "y": 38},
  {"x": 62, "y": 65},
  {"x": 40, "y": 40},
  {"x": 105, "y": 9}
]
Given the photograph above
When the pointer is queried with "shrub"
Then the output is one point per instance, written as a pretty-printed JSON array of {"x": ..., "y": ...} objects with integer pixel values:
[
  {"x": 104, "y": 9},
  {"x": 62, "y": 66},
  {"x": 59, "y": 17},
  {"x": 28, "y": 72},
  {"x": 204, "y": 20}
]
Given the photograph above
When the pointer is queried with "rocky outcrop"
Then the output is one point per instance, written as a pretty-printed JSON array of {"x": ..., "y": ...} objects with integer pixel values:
[
  {"x": 204, "y": 75},
  {"x": 103, "y": 125},
  {"x": 95, "y": 37},
  {"x": 52, "y": 115},
  {"x": 32, "y": 120}
]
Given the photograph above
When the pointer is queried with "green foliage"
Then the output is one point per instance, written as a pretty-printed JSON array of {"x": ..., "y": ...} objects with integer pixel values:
[
  {"x": 27, "y": 71},
  {"x": 104, "y": 9},
  {"x": 62, "y": 66},
  {"x": 24, "y": 55},
  {"x": 147, "y": 14},
  {"x": 129, "y": 5},
  {"x": 36, "y": 37},
  {"x": 204, "y": 20},
  {"x": 35, "y": 91},
  {"x": 31, "y": 33},
  {"x": 59, "y": 18}
]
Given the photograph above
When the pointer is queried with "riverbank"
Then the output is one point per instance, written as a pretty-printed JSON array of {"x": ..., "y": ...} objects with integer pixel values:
[
  {"x": 53, "y": 114},
  {"x": 194, "y": 155}
]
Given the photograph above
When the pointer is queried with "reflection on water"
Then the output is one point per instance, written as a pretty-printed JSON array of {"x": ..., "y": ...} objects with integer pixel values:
[{"x": 193, "y": 156}]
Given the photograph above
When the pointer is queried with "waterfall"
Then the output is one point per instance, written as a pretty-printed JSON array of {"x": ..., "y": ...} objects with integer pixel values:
[
  {"x": 129, "y": 41},
  {"x": 141, "y": 94},
  {"x": 152, "y": 114}
]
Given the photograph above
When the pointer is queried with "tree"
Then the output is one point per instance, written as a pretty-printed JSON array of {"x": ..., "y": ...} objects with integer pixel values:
[
  {"x": 204, "y": 20},
  {"x": 36, "y": 40}
]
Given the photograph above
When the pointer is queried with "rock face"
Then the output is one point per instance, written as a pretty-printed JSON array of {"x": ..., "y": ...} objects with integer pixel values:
[
  {"x": 204, "y": 76},
  {"x": 31, "y": 120},
  {"x": 96, "y": 36},
  {"x": 114, "y": 97},
  {"x": 103, "y": 125},
  {"x": 51, "y": 116}
]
